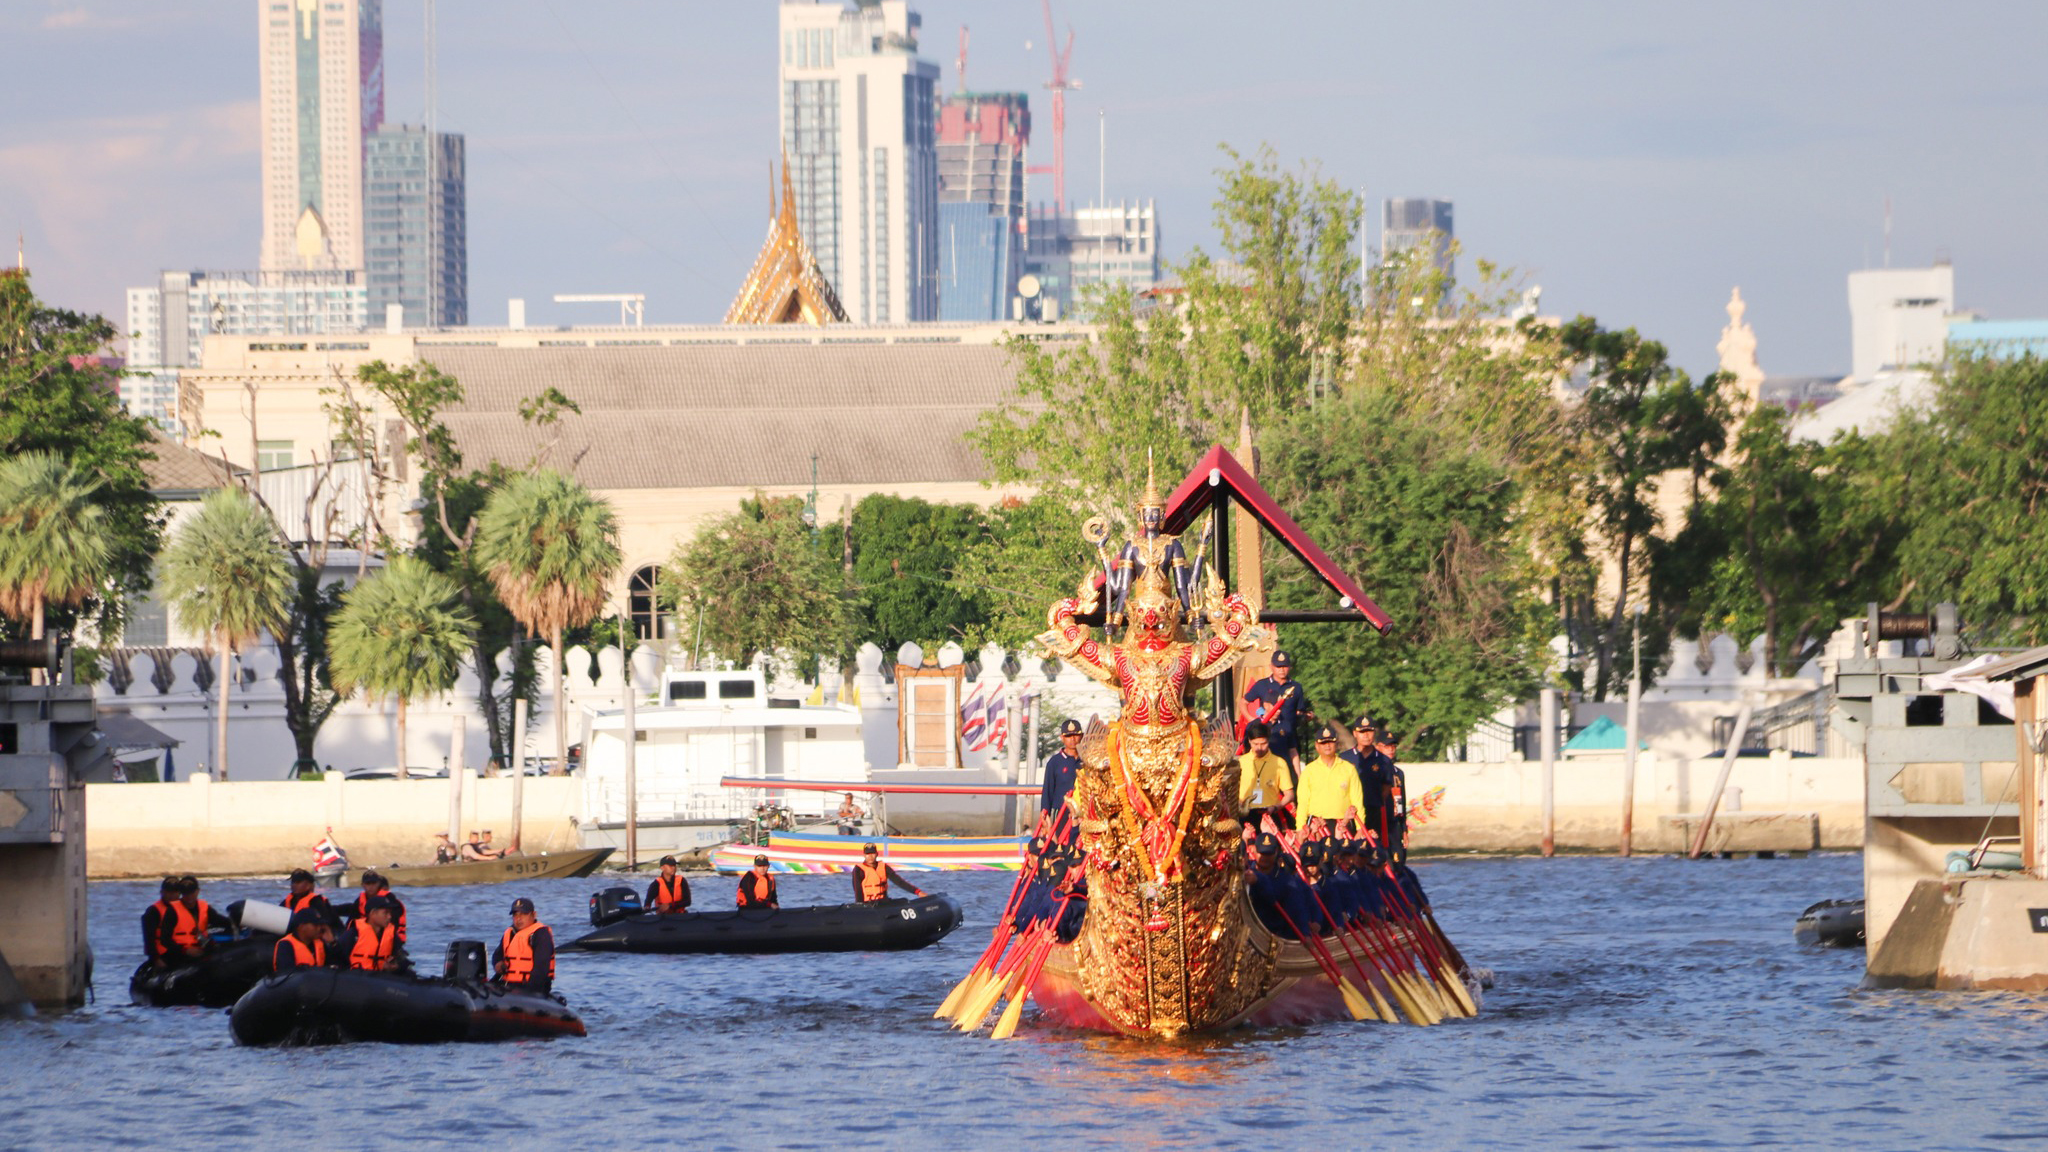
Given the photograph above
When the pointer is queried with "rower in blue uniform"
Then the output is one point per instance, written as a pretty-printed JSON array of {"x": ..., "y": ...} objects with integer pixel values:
[
  {"x": 1060, "y": 769},
  {"x": 1279, "y": 898},
  {"x": 1281, "y": 703}
]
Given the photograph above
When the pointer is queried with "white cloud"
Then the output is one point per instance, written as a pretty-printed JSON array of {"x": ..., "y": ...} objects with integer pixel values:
[{"x": 72, "y": 18}]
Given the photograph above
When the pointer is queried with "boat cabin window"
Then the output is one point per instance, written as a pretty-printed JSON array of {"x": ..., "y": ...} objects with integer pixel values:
[
  {"x": 686, "y": 690},
  {"x": 735, "y": 689}
]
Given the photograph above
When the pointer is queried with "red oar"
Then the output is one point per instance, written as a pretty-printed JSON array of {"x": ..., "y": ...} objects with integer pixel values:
[{"x": 999, "y": 936}]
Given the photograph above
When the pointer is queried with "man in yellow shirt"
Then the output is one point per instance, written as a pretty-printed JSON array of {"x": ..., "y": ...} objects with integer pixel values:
[
  {"x": 1328, "y": 787},
  {"x": 1264, "y": 781}
]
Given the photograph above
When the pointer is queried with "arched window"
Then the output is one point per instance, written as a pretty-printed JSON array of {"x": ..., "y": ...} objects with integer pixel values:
[{"x": 641, "y": 603}]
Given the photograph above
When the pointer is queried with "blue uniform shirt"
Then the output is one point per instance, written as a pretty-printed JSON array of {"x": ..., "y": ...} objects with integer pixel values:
[
  {"x": 1059, "y": 780},
  {"x": 1281, "y": 706}
]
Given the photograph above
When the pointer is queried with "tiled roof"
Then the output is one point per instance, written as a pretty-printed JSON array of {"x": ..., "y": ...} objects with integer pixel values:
[
  {"x": 181, "y": 469},
  {"x": 702, "y": 416}
]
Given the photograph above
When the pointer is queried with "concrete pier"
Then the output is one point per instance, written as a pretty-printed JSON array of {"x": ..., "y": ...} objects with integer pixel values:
[{"x": 48, "y": 743}]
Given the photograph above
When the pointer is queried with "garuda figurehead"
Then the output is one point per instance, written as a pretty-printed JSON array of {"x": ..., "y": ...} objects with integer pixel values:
[{"x": 1153, "y": 612}]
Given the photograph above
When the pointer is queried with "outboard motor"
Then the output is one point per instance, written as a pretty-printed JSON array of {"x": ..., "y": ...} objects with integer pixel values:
[
  {"x": 465, "y": 962},
  {"x": 613, "y": 904}
]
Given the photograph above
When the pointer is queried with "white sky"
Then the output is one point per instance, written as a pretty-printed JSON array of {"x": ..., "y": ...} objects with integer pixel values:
[{"x": 1636, "y": 159}]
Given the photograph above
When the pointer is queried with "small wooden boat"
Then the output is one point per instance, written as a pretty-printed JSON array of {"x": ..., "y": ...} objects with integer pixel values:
[
  {"x": 804, "y": 853},
  {"x": 545, "y": 866},
  {"x": 332, "y": 1006},
  {"x": 882, "y": 926},
  {"x": 1831, "y": 924}
]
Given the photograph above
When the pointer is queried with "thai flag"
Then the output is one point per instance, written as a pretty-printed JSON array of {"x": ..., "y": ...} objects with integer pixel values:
[
  {"x": 997, "y": 728},
  {"x": 327, "y": 854},
  {"x": 971, "y": 720}
]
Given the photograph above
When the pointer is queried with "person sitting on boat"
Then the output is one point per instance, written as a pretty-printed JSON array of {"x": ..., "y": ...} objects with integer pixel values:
[
  {"x": 1335, "y": 890},
  {"x": 374, "y": 886},
  {"x": 446, "y": 852},
  {"x": 304, "y": 896},
  {"x": 525, "y": 955},
  {"x": 490, "y": 852},
  {"x": 372, "y": 944},
  {"x": 757, "y": 887},
  {"x": 670, "y": 892},
  {"x": 1362, "y": 892},
  {"x": 1279, "y": 898},
  {"x": 1071, "y": 888},
  {"x": 304, "y": 944},
  {"x": 475, "y": 849},
  {"x": 850, "y": 816},
  {"x": 156, "y": 942},
  {"x": 872, "y": 877},
  {"x": 1328, "y": 788},
  {"x": 1265, "y": 783}
]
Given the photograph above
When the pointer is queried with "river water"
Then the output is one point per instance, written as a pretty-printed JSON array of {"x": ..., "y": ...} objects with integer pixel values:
[{"x": 1651, "y": 1002}]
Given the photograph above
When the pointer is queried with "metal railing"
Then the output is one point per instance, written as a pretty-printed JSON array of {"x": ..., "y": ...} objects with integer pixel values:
[{"x": 1799, "y": 726}]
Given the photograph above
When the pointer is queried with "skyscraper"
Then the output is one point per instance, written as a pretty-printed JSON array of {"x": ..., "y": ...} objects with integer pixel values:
[
  {"x": 1414, "y": 222},
  {"x": 856, "y": 109},
  {"x": 322, "y": 74},
  {"x": 415, "y": 227},
  {"x": 1113, "y": 246},
  {"x": 982, "y": 137}
]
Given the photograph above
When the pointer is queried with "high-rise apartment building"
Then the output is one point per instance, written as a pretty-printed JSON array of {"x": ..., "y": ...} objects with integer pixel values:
[
  {"x": 414, "y": 226},
  {"x": 1899, "y": 317},
  {"x": 1416, "y": 222},
  {"x": 322, "y": 75},
  {"x": 168, "y": 322},
  {"x": 1115, "y": 247},
  {"x": 982, "y": 137},
  {"x": 856, "y": 109}
]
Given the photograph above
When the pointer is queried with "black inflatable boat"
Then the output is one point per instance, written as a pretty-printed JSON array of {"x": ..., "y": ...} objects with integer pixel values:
[
  {"x": 1831, "y": 924},
  {"x": 884, "y": 926},
  {"x": 229, "y": 967},
  {"x": 332, "y": 1006}
]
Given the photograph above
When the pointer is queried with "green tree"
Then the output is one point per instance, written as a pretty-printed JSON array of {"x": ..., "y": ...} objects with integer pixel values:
[
  {"x": 56, "y": 396},
  {"x": 757, "y": 584},
  {"x": 1791, "y": 542},
  {"x": 904, "y": 553},
  {"x": 1432, "y": 531},
  {"x": 1640, "y": 418},
  {"x": 401, "y": 632},
  {"x": 550, "y": 549},
  {"x": 226, "y": 578},
  {"x": 54, "y": 543},
  {"x": 1029, "y": 554}
]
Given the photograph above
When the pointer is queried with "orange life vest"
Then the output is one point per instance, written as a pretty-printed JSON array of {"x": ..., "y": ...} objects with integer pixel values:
[
  {"x": 762, "y": 890},
  {"x": 874, "y": 880},
  {"x": 312, "y": 955},
  {"x": 188, "y": 926},
  {"x": 299, "y": 903},
  {"x": 669, "y": 890},
  {"x": 397, "y": 918},
  {"x": 372, "y": 952},
  {"x": 517, "y": 946}
]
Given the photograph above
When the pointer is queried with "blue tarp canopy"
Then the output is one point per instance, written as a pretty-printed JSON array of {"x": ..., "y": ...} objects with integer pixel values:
[{"x": 1602, "y": 735}]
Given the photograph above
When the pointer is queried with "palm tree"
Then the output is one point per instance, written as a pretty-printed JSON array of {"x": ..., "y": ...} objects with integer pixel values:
[
  {"x": 550, "y": 548},
  {"x": 401, "y": 632},
  {"x": 225, "y": 577},
  {"x": 54, "y": 543}
]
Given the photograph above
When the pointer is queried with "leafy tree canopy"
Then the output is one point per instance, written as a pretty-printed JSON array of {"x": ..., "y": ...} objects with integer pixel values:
[
  {"x": 905, "y": 551},
  {"x": 757, "y": 582}
]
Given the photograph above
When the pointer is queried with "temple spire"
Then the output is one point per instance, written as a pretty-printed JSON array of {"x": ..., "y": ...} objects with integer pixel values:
[{"x": 785, "y": 285}]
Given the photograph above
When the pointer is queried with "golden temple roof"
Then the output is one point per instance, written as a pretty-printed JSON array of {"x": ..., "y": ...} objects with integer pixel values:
[{"x": 785, "y": 285}]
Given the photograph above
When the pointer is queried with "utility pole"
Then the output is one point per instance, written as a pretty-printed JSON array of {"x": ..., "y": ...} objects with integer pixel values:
[
  {"x": 1634, "y": 726},
  {"x": 1547, "y": 718},
  {"x": 631, "y": 736}
]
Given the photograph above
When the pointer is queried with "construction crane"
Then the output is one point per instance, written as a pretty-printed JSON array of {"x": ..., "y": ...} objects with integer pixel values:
[
  {"x": 1060, "y": 84},
  {"x": 960, "y": 65}
]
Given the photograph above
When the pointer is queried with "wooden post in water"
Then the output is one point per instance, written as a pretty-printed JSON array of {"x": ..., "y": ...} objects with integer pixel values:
[
  {"x": 1634, "y": 726},
  {"x": 1547, "y": 722},
  {"x": 456, "y": 752},
  {"x": 1734, "y": 749},
  {"x": 518, "y": 769},
  {"x": 631, "y": 737},
  {"x": 1012, "y": 734}
]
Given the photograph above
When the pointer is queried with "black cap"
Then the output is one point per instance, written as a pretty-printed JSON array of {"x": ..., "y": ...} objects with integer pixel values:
[
  {"x": 1326, "y": 732},
  {"x": 1312, "y": 852},
  {"x": 376, "y": 902},
  {"x": 1070, "y": 728},
  {"x": 667, "y": 860},
  {"x": 1258, "y": 730},
  {"x": 305, "y": 916},
  {"x": 1266, "y": 844},
  {"x": 760, "y": 860},
  {"x": 1282, "y": 660},
  {"x": 522, "y": 905},
  {"x": 866, "y": 848},
  {"x": 1391, "y": 737},
  {"x": 299, "y": 874},
  {"x": 374, "y": 877},
  {"x": 1363, "y": 722},
  {"x": 1346, "y": 847}
]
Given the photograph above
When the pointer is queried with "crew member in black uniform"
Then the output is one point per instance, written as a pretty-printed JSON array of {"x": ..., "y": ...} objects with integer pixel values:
[
  {"x": 374, "y": 886},
  {"x": 303, "y": 896},
  {"x": 757, "y": 887},
  {"x": 304, "y": 944},
  {"x": 669, "y": 892},
  {"x": 188, "y": 924},
  {"x": 156, "y": 943},
  {"x": 1279, "y": 898},
  {"x": 1394, "y": 795},
  {"x": 872, "y": 877},
  {"x": 371, "y": 943},
  {"x": 1364, "y": 760},
  {"x": 1281, "y": 703},
  {"x": 525, "y": 955},
  {"x": 1060, "y": 769}
]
